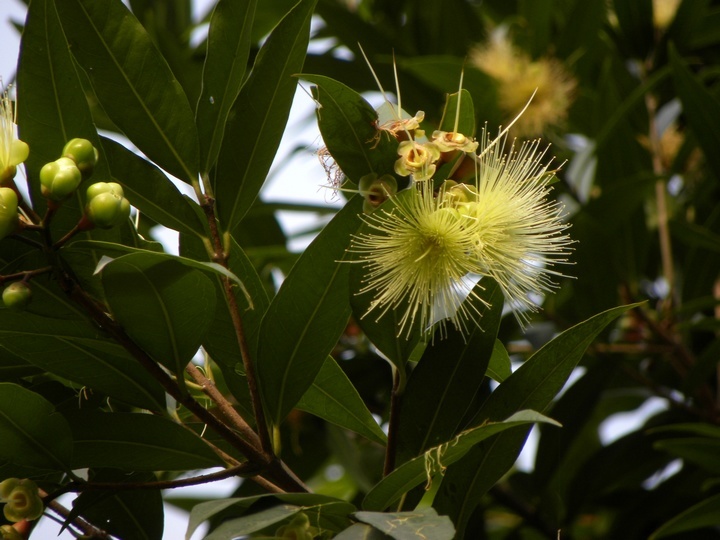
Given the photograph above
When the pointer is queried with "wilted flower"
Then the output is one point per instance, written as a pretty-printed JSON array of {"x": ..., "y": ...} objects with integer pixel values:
[
  {"x": 12, "y": 150},
  {"x": 422, "y": 252},
  {"x": 449, "y": 141},
  {"x": 518, "y": 76}
]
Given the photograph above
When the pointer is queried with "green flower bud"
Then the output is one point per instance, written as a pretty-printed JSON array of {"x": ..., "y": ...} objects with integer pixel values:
[
  {"x": 106, "y": 205},
  {"x": 59, "y": 178},
  {"x": 6, "y": 487},
  {"x": 298, "y": 529},
  {"x": 17, "y": 296},
  {"x": 8, "y": 211},
  {"x": 83, "y": 153},
  {"x": 8, "y": 532},
  {"x": 24, "y": 502}
]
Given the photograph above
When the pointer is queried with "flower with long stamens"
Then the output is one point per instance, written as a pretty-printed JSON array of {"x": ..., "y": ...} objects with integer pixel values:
[
  {"x": 417, "y": 254},
  {"x": 13, "y": 151},
  {"x": 420, "y": 253}
]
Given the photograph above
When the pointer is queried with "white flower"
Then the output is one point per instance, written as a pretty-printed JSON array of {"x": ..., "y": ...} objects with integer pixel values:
[{"x": 12, "y": 150}]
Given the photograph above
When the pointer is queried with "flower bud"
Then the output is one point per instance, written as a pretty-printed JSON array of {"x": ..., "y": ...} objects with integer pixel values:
[
  {"x": 106, "y": 206},
  {"x": 17, "y": 296},
  {"x": 8, "y": 211},
  {"x": 59, "y": 178},
  {"x": 8, "y": 532},
  {"x": 24, "y": 502},
  {"x": 298, "y": 529},
  {"x": 83, "y": 153}
]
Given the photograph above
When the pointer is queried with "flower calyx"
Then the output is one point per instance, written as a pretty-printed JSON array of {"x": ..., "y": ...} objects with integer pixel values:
[{"x": 21, "y": 498}]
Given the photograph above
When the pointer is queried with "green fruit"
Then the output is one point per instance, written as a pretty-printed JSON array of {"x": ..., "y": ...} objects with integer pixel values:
[
  {"x": 106, "y": 205},
  {"x": 59, "y": 178},
  {"x": 83, "y": 153},
  {"x": 17, "y": 296},
  {"x": 8, "y": 211}
]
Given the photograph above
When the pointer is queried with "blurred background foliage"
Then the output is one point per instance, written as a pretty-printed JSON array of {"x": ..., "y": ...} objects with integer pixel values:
[{"x": 633, "y": 88}]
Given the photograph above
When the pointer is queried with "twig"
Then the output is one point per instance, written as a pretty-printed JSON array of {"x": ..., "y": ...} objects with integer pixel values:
[
  {"x": 395, "y": 401},
  {"x": 87, "y": 528}
]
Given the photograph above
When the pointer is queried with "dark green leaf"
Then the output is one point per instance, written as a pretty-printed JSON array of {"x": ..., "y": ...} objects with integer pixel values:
[
  {"x": 349, "y": 128},
  {"x": 700, "y": 108},
  {"x": 423, "y": 523},
  {"x": 150, "y": 191},
  {"x": 362, "y": 531},
  {"x": 333, "y": 397},
  {"x": 257, "y": 120},
  {"x": 636, "y": 23},
  {"x": 81, "y": 355},
  {"x": 307, "y": 316},
  {"x": 32, "y": 433},
  {"x": 133, "y": 82},
  {"x": 253, "y": 522},
  {"x": 532, "y": 386},
  {"x": 163, "y": 305},
  {"x": 704, "y": 514},
  {"x": 228, "y": 48},
  {"x": 51, "y": 105},
  {"x": 434, "y": 461},
  {"x": 499, "y": 367},
  {"x": 466, "y": 116},
  {"x": 443, "y": 385},
  {"x": 136, "y": 442}
]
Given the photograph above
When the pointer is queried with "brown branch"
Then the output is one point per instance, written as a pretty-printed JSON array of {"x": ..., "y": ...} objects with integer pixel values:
[{"x": 87, "y": 528}]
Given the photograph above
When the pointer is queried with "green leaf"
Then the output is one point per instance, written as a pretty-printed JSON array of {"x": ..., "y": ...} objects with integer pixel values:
[
  {"x": 136, "y": 442},
  {"x": 257, "y": 120},
  {"x": 441, "y": 390},
  {"x": 466, "y": 121},
  {"x": 699, "y": 450},
  {"x": 499, "y": 367},
  {"x": 228, "y": 48},
  {"x": 422, "y": 468},
  {"x": 704, "y": 514},
  {"x": 133, "y": 82},
  {"x": 361, "y": 531},
  {"x": 329, "y": 510},
  {"x": 150, "y": 191},
  {"x": 532, "y": 386},
  {"x": 253, "y": 522},
  {"x": 32, "y": 433},
  {"x": 333, "y": 397},
  {"x": 700, "y": 107},
  {"x": 52, "y": 108},
  {"x": 307, "y": 316},
  {"x": 348, "y": 125},
  {"x": 164, "y": 306},
  {"x": 695, "y": 236},
  {"x": 425, "y": 523},
  {"x": 636, "y": 22},
  {"x": 82, "y": 355},
  {"x": 136, "y": 514}
]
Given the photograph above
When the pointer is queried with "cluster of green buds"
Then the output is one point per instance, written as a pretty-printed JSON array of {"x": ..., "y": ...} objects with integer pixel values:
[
  {"x": 21, "y": 498},
  {"x": 106, "y": 205},
  {"x": 298, "y": 529},
  {"x": 60, "y": 178}
]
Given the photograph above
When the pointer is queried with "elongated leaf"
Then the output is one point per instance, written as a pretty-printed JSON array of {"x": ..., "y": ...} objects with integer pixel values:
[
  {"x": 150, "y": 191},
  {"x": 329, "y": 509},
  {"x": 704, "y": 514},
  {"x": 361, "y": 531},
  {"x": 163, "y": 305},
  {"x": 532, "y": 386},
  {"x": 32, "y": 433},
  {"x": 443, "y": 385},
  {"x": 333, "y": 397},
  {"x": 228, "y": 48},
  {"x": 136, "y": 514},
  {"x": 349, "y": 128},
  {"x": 700, "y": 107},
  {"x": 423, "y": 523},
  {"x": 499, "y": 367},
  {"x": 466, "y": 118},
  {"x": 253, "y": 522},
  {"x": 51, "y": 104},
  {"x": 133, "y": 82},
  {"x": 136, "y": 442},
  {"x": 307, "y": 316},
  {"x": 257, "y": 120},
  {"x": 80, "y": 355},
  {"x": 421, "y": 469}
]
